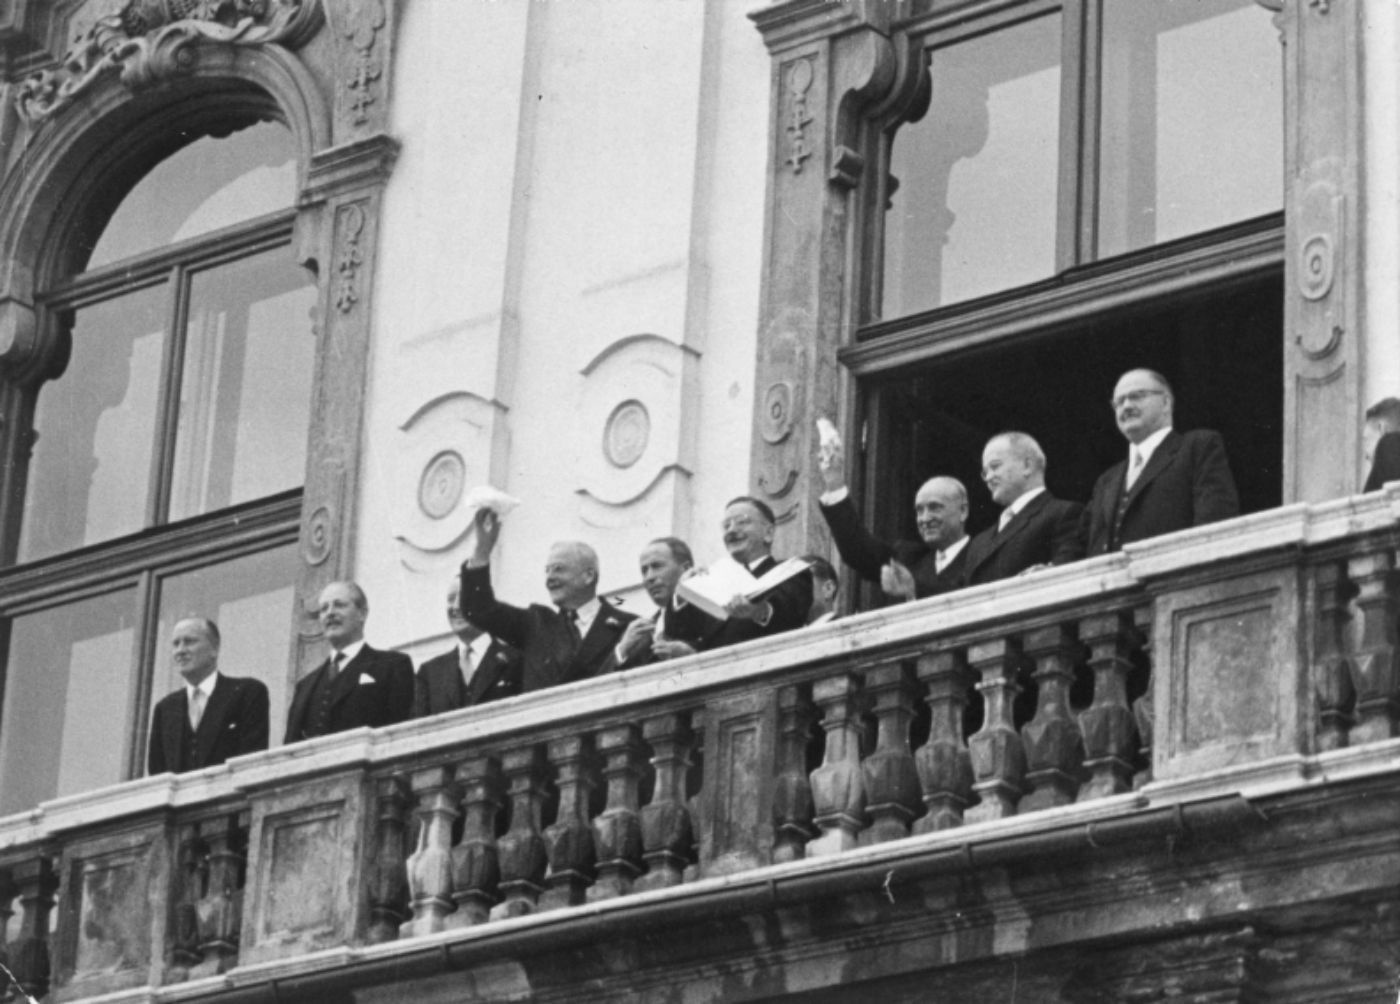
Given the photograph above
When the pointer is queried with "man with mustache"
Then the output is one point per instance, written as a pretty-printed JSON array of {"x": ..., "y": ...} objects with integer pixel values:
[
  {"x": 574, "y": 639},
  {"x": 1035, "y": 529},
  {"x": 749, "y": 526},
  {"x": 906, "y": 569},
  {"x": 357, "y": 685},
  {"x": 658, "y": 638},
  {"x": 1169, "y": 480},
  {"x": 212, "y": 717}
]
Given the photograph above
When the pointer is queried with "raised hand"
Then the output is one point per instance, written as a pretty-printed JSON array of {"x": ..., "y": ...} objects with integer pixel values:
[
  {"x": 897, "y": 580},
  {"x": 831, "y": 461},
  {"x": 488, "y": 529}
]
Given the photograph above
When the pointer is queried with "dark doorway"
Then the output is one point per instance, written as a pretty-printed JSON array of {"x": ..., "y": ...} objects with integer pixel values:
[{"x": 1222, "y": 351}]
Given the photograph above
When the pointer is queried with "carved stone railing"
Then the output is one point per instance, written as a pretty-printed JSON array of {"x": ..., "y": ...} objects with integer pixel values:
[{"x": 1218, "y": 661}]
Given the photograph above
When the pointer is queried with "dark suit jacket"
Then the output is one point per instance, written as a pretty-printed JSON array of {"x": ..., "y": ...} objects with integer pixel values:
[
  {"x": 234, "y": 723},
  {"x": 439, "y": 685},
  {"x": 1385, "y": 462},
  {"x": 791, "y": 600},
  {"x": 386, "y": 698},
  {"x": 694, "y": 628},
  {"x": 867, "y": 554},
  {"x": 1186, "y": 483},
  {"x": 1045, "y": 532},
  {"x": 545, "y": 641}
]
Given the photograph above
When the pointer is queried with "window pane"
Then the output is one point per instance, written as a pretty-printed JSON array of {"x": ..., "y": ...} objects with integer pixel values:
[
  {"x": 975, "y": 209},
  {"x": 250, "y": 598},
  {"x": 1192, "y": 129},
  {"x": 210, "y": 184},
  {"x": 246, "y": 394},
  {"x": 68, "y": 700},
  {"x": 89, "y": 479}
]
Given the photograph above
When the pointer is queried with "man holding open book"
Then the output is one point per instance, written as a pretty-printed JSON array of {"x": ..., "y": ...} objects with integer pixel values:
[{"x": 772, "y": 598}]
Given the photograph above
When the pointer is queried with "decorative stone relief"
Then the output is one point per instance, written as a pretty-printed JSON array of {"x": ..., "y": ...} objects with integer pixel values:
[
  {"x": 362, "y": 29},
  {"x": 631, "y": 411},
  {"x": 147, "y": 41},
  {"x": 350, "y": 225},
  {"x": 444, "y": 451},
  {"x": 783, "y": 356},
  {"x": 799, "y": 76},
  {"x": 1321, "y": 226}
]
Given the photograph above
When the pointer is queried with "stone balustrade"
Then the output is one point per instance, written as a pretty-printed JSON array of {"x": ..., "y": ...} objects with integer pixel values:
[{"x": 1221, "y": 660}]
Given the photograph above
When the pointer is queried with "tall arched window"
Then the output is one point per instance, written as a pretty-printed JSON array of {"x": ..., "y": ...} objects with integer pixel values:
[{"x": 168, "y": 455}]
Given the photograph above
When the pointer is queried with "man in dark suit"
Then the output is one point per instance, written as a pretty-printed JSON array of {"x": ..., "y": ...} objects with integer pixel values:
[
  {"x": 826, "y": 586},
  {"x": 658, "y": 638},
  {"x": 1381, "y": 440},
  {"x": 906, "y": 569},
  {"x": 478, "y": 669},
  {"x": 1169, "y": 480},
  {"x": 749, "y": 527},
  {"x": 357, "y": 685},
  {"x": 574, "y": 639},
  {"x": 1035, "y": 529},
  {"x": 211, "y": 718}
]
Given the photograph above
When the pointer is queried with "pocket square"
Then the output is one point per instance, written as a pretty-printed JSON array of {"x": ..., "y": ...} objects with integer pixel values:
[{"x": 366, "y": 678}]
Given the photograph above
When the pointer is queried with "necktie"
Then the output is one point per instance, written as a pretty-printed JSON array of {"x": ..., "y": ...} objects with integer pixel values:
[
  {"x": 337, "y": 661},
  {"x": 1006, "y": 517},
  {"x": 1135, "y": 465},
  {"x": 196, "y": 709},
  {"x": 571, "y": 619},
  {"x": 465, "y": 661}
]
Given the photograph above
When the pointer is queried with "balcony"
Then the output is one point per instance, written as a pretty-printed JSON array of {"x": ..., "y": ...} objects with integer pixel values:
[{"x": 1183, "y": 769}]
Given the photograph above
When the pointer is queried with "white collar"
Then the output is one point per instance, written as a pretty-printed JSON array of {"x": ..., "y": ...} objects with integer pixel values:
[
  {"x": 476, "y": 648},
  {"x": 1023, "y": 500},
  {"x": 349, "y": 651},
  {"x": 1149, "y": 445},
  {"x": 587, "y": 614},
  {"x": 205, "y": 687},
  {"x": 950, "y": 552}
]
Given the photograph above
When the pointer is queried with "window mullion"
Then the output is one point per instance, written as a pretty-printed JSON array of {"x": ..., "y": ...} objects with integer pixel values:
[
  {"x": 1075, "y": 237},
  {"x": 143, "y": 657},
  {"x": 168, "y": 409}
]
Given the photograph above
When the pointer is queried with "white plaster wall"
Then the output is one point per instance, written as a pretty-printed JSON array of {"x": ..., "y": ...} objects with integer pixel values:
[
  {"x": 1381, "y": 180},
  {"x": 572, "y": 175}
]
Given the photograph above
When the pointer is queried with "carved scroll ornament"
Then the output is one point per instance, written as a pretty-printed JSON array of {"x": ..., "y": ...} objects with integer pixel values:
[{"x": 146, "y": 41}]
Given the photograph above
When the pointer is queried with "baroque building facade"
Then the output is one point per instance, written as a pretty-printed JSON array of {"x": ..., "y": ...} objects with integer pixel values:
[{"x": 281, "y": 281}]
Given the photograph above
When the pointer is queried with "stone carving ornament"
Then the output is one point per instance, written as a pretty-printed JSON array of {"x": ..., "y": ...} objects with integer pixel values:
[{"x": 145, "y": 41}]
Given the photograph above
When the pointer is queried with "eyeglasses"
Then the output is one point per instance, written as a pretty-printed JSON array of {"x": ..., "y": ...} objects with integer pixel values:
[{"x": 1133, "y": 396}]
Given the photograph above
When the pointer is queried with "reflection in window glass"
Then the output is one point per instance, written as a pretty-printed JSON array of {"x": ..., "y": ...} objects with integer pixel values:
[
  {"x": 90, "y": 475},
  {"x": 1192, "y": 126},
  {"x": 249, "y": 598},
  {"x": 246, "y": 393},
  {"x": 975, "y": 210},
  {"x": 210, "y": 184},
  {"x": 68, "y": 693}
]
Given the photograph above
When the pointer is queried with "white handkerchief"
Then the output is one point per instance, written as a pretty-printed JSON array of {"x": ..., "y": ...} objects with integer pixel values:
[
  {"x": 486, "y": 497},
  {"x": 366, "y": 678}
]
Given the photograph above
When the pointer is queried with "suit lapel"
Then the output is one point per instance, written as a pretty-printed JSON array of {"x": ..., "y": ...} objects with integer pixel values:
[
  {"x": 349, "y": 676},
  {"x": 484, "y": 675},
  {"x": 1013, "y": 528},
  {"x": 1161, "y": 457},
  {"x": 172, "y": 731},
  {"x": 599, "y": 639},
  {"x": 215, "y": 712}
]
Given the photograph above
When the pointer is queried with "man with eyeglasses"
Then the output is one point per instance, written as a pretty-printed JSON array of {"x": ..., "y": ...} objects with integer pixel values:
[{"x": 1169, "y": 480}]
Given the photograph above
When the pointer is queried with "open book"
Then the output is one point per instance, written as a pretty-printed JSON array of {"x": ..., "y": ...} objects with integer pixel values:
[{"x": 711, "y": 588}]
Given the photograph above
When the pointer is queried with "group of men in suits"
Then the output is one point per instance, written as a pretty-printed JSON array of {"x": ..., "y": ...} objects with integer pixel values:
[{"x": 1168, "y": 481}]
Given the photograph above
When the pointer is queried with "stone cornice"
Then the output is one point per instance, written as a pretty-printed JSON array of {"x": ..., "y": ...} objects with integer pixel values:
[
  {"x": 799, "y": 22},
  {"x": 363, "y": 163}
]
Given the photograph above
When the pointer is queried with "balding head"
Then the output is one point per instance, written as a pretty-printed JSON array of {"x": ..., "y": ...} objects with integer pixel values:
[
  {"x": 1012, "y": 464},
  {"x": 571, "y": 573},
  {"x": 940, "y": 509}
]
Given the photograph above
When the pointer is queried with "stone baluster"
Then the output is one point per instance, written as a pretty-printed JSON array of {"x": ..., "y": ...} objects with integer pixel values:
[
  {"x": 192, "y": 865},
  {"x": 998, "y": 756},
  {"x": 792, "y": 793},
  {"x": 944, "y": 763},
  {"x": 891, "y": 779},
  {"x": 695, "y": 789},
  {"x": 1053, "y": 744},
  {"x": 570, "y": 837},
  {"x": 1110, "y": 734},
  {"x": 667, "y": 833},
  {"x": 1373, "y": 669},
  {"x": 476, "y": 869},
  {"x": 1333, "y": 692},
  {"x": 388, "y": 877},
  {"x": 29, "y": 953},
  {"x": 1142, "y": 707},
  {"x": 220, "y": 910},
  {"x": 838, "y": 788},
  {"x": 430, "y": 865},
  {"x": 8, "y": 892},
  {"x": 522, "y": 852},
  {"x": 618, "y": 829}
]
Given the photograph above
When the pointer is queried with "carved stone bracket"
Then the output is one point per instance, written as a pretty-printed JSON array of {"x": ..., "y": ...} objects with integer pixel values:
[{"x": 145, "y": 42}]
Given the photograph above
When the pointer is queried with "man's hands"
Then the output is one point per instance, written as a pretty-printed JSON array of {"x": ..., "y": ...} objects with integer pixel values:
[
  {"x": 831, "y": 461},
  {"x": 760, "y": 612},
  {"x": 669, "y": 648},
  {"x": 897, "y": 580},
  {"x": 637, "y": 636},
  {"x": 488, "y": 529}
]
